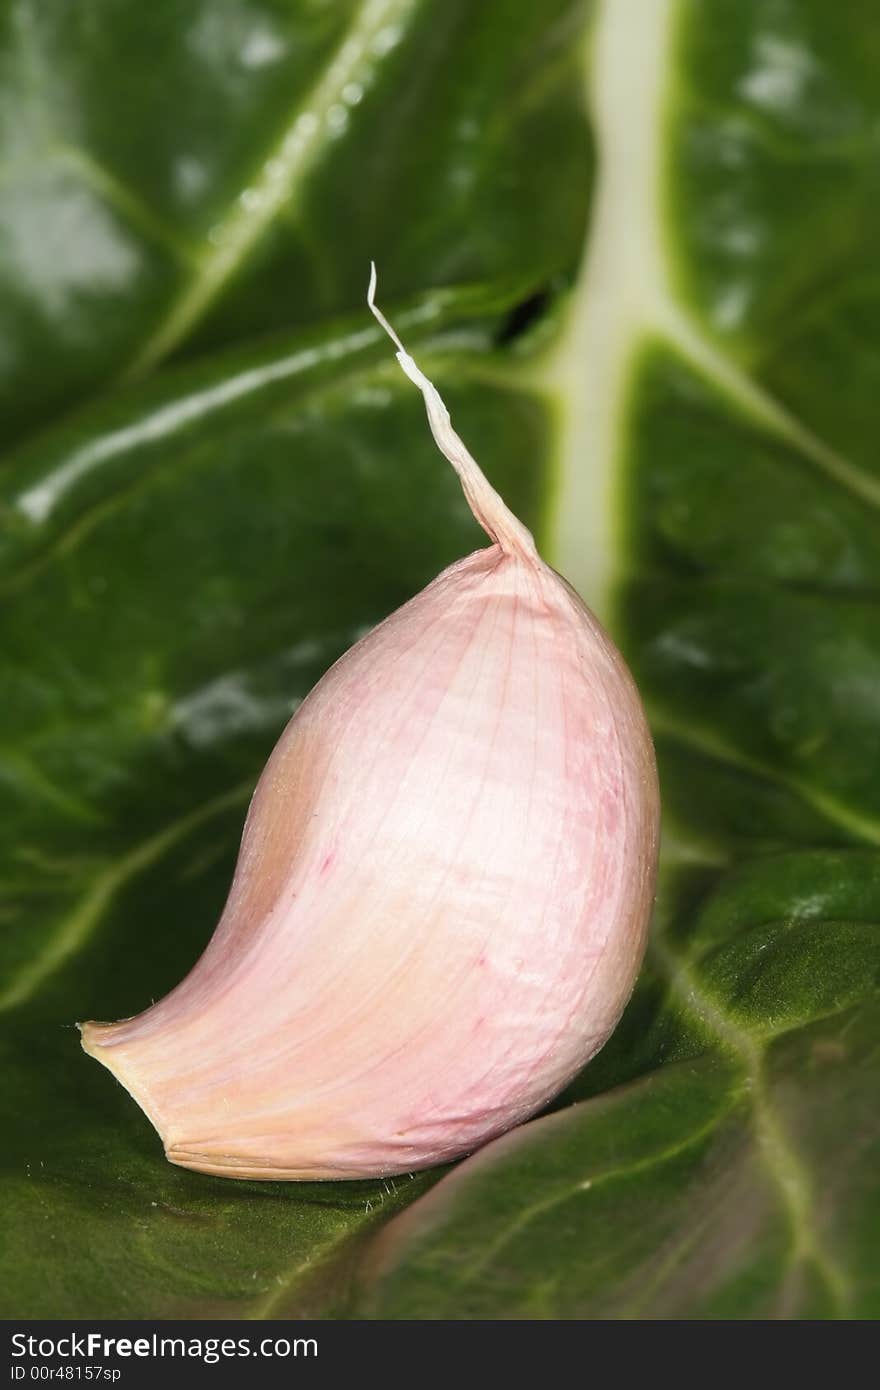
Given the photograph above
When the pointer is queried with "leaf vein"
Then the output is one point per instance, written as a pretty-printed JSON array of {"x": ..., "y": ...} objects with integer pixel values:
[
  {"x": 282, "y": 168},
  {"x": 84, "y": 919},
  {"x": 781, "y": 1160}
]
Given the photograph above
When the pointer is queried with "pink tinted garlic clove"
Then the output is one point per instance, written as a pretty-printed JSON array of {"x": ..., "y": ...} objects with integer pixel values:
[{"x": 443, "y": 890}]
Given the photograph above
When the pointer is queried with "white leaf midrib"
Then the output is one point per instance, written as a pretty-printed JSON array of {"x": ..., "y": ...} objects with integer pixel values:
[
  {"x": 627, "y": 296},
  {"x": 621, "y": 288}
]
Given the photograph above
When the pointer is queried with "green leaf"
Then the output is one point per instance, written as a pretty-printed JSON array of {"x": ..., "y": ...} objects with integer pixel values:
[
  {"x": 195, "y": 582},
  {"x": 187, "y": 550},
  {"x": 734, "y": 1177},
  {"x": 178, "y": 180},
  {"x": 215, "y": 478},
  {"x": 720, "y": 1157}
]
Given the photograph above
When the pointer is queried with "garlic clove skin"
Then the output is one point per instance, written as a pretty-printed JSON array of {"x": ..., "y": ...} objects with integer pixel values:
[{"x": 442, "y": 895}]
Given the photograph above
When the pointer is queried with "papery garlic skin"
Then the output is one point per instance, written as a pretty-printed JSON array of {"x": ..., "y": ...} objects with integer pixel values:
[{"x": 442, "y": 895}]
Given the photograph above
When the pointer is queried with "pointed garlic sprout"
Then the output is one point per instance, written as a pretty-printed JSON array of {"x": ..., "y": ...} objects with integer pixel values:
[{"x": 443, "y": 888}]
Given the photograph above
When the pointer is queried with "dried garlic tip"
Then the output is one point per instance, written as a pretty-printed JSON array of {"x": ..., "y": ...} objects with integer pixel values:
[{"x": 443, "y": 889}]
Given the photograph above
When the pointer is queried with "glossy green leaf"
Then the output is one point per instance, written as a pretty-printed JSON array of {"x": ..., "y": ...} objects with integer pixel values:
[
  {"x": 185, "y": 553},
  {"x": 157, "y": 641},
  {"x": 720, "y": 1158},
  {"x": 734, "y": 1175},
  {"x": 214, "y": 478}
]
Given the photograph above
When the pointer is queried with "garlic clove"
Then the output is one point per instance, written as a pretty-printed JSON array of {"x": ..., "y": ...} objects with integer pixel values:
[{"x": 443, "y": 889}]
